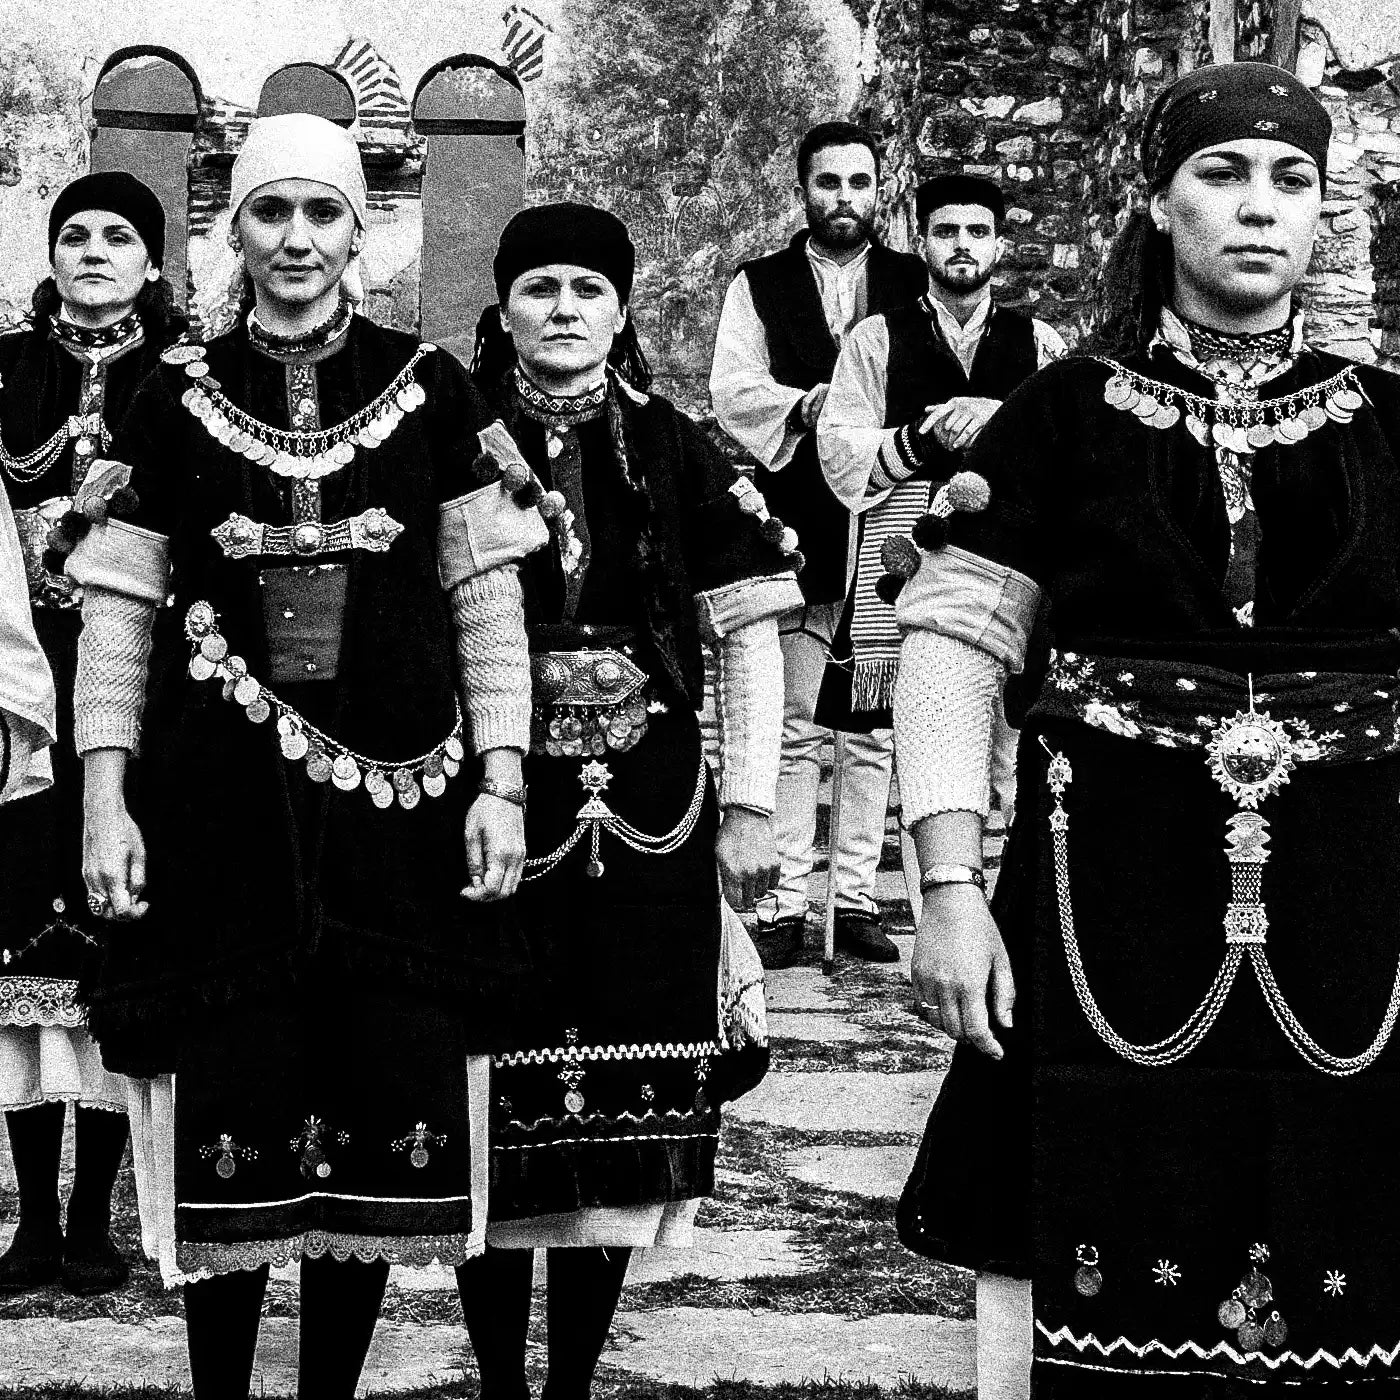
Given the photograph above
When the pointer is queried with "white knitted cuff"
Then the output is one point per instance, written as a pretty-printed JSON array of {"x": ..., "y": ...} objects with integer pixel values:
[
  {"x": 749, "y": 707},
  {"x": 113, "y": 650},
  {"x": 945, "y": 700},
  {"x": 494, "y": 659},
  {"x": 733, "y": 605}
]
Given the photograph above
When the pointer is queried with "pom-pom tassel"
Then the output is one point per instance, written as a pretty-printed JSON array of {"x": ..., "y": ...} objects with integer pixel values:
[
  {"x": 899, "y": 556},
  {"x": 124, "y": 501},
  {"x": 930, "y": 532},
  {"x": 968, "y": 491},
  {"x": 887, "y": 588}
]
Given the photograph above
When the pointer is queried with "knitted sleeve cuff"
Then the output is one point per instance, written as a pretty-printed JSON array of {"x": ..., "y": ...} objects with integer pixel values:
[
  {"x": 749, "y": 707},
  {"x": 114, "y": 648},
  {"x": 494, "y": 659},
  {"x": 897, "y": 461},
  {"x": 946, "y": 700}
]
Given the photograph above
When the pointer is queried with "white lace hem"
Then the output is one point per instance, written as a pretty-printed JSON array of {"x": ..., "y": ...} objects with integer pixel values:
[{"x": 55, "y": 1064}]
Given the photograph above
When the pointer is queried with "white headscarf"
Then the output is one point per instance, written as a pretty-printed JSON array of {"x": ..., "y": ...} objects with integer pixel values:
[{"x": 300, "y": 146}]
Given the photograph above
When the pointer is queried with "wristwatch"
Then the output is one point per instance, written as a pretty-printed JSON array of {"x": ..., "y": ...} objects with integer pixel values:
[{"x": 952, "y": 875}]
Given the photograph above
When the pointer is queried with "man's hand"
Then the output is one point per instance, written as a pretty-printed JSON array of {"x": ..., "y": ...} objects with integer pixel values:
[
  {"x": 748, "y": 857},
  {"x": 961, "y": 974},
  {"x": 956, "y": 423},
  {"x": 809, "y": 406}
]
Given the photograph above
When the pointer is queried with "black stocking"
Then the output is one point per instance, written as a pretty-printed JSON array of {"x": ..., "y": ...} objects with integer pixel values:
[
  {"x": 584, "y": 1286},
  {"x": 100, "y": 1140},
  {"x": 495, "y": 1292},
  {"x": 36, "y": 1143},
  {"x": 340, "y": 1304},
  {"x": 221, "y": 1324}
]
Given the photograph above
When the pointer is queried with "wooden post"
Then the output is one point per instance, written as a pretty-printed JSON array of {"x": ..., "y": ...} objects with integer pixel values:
[
  {"x": 838, "y": 757},
  {"x": 1224, "y": 30},
  {"x": 473, "y": 113},
  {"x": 145, "y": 106},
  {"x": 1283, "y": 44}
]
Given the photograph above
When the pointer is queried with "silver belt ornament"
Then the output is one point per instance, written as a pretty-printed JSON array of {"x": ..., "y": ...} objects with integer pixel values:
[
  {"x": 1251, "y": 757},
  {"x": 373, "y": 530}
]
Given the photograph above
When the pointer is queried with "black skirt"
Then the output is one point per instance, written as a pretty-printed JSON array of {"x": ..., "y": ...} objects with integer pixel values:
[
  {"x": 1164, "y": 1213},
  {"x": 48, "y": 938},
  {"x": 613, "y": 1099}
]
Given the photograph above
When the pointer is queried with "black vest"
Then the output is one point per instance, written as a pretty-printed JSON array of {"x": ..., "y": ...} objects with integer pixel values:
[
  {"x": 802, "y": 353},
  {"x": 922, "y": 368}
]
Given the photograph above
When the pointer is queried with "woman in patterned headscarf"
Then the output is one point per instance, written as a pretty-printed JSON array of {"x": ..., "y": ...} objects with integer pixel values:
[{"x": 1177, "y": 1135}]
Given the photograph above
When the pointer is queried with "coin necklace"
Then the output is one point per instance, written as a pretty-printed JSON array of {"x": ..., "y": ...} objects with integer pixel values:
[
  {"x": 299, "y": 456},
  {"x": 1242, "y": 428}
]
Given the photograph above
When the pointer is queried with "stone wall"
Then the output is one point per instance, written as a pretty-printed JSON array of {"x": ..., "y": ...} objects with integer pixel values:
[{"x": 1049, "y": 99}]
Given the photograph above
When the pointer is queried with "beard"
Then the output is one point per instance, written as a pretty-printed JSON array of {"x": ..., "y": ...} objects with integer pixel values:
[
  {"x": 827, "y": 230},
  {"x": 964, "y": 278}
]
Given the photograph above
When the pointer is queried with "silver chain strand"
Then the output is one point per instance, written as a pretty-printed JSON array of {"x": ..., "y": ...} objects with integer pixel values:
[
  {"x": 608, "y": 820},
  {"x": 1192, "y": 1032}
]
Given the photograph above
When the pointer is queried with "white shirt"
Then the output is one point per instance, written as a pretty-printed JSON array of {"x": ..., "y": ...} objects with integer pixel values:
[
  {"x": 27, "y": 700},
  {"x": 850, "y": 431},
  {"x": 749, "y": 403}
]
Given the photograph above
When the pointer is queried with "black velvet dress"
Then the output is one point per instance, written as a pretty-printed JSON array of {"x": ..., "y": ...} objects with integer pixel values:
[
  {"x": 1223, "y": 1221},
  {"x": 613, "y": 1099},
  {"x": 308, "y": 969},
  {"x": 47, "y": 935}
]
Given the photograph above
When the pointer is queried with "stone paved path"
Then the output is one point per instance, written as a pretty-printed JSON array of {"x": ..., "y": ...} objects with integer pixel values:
[{"x": 814, "y": 1161}]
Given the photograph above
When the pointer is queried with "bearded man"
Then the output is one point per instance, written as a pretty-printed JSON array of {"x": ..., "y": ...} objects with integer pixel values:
[
  {"x": 784, "y": 318},
  {"x": 911, "y": 390}
]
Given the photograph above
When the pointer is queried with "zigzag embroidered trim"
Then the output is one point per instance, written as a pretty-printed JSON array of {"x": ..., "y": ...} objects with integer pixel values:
[
  {"x": 576, "y": 1141},
  {"x": 416, "y": 1251},
  {"x": 303, "y": 456},
  {"x": 1350, "y": 1357},
  {"x": 39, "y": 1001},
  {"x": 569, "y": 1054}
]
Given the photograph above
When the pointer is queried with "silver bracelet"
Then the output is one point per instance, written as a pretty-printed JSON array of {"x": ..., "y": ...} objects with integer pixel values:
[{"x": 944, "y": 874}]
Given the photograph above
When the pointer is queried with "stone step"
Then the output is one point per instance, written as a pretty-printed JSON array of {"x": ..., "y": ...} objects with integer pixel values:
[
  {"x": 690, "y": 1346},
  {"x": 698, "y": 1346},
  {"x": 863, "y": 1101}
]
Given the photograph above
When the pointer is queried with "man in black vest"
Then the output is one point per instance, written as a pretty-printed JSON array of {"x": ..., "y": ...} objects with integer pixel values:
[
  {"x": 911, "y": 390},
  {"x": 783, "y": 321}
]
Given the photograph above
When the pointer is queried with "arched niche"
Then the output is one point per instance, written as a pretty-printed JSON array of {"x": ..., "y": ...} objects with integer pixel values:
[
  {"x": 145, "y": 107},
  {"x": 308, "y": 87},
  {"x": 472, "y": 112}
]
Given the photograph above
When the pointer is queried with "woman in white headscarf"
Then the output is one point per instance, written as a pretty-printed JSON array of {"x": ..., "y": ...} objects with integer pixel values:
[{"x": 288, "y": 880}]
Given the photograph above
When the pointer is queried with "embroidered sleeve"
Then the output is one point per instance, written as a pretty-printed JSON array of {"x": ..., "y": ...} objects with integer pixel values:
[
  {"x": 749, "y": 707},
  {"x": 724, "y": 610},
  {"x": 122, "y": 558},
  {"x": 946, "y": 703},
  {"x": 484, "y": 529},
  {"x": 113, "y": 651},
  {"x": 493, "y": 656},
  {"x": 749, "y": 403}
]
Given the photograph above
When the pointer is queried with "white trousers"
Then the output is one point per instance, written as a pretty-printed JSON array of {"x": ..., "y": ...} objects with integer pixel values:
[{"x": 805, "y": 634}]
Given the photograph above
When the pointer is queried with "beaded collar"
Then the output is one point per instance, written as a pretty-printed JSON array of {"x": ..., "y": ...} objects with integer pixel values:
[
  {"x": 81, "y": 339},
  {"x": 317, "y": 338},
  {"x": 1211, "y": 344},
  {"x": 560, "y": 410}
]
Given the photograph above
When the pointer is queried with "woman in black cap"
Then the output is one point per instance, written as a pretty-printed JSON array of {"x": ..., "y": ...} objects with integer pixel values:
[
  {"x": 97, "y": 327},
  {"x": 604, "y": 1124},
  {"x": 1180, "y": 1141}
]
